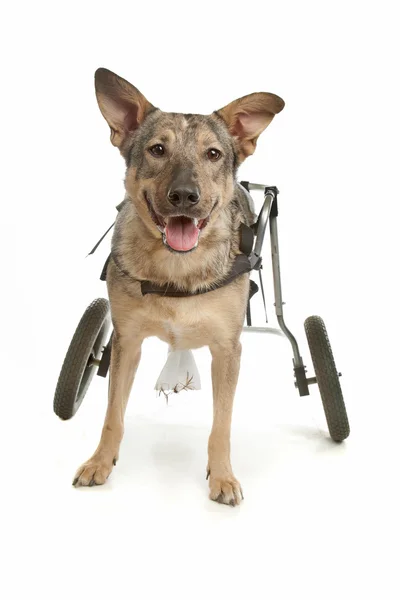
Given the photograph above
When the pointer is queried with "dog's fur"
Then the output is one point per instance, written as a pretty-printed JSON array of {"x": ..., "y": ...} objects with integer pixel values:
[{"x": 213, "y": 319}]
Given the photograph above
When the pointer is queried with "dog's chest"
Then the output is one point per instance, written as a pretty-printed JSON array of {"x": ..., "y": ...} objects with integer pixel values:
[
  {"x": 181, "y": 329},
  {"x": 173, "y": 333}
]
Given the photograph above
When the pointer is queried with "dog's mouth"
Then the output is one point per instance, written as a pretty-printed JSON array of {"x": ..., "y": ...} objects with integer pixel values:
[{"x": 180, "y": 233}]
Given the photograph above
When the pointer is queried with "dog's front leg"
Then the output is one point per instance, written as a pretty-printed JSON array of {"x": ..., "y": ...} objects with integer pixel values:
[
  {"x": 224, "y": 487},
  {"x": 125, "y": 357}
]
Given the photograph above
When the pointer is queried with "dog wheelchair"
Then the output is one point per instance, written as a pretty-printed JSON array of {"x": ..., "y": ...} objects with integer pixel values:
[{"x": 90, "y": 349}]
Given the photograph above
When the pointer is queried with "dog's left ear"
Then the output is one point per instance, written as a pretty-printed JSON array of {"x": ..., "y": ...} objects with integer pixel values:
[
  {"x": 247, "y": 117},
  {"x": 122, "y": 105}
]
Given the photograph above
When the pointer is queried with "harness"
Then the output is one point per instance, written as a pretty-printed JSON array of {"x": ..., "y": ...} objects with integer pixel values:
[{"x": 243, "y": 263}]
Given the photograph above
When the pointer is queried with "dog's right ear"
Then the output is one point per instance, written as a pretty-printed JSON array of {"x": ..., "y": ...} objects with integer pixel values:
[{"x": 122, "y": 105}]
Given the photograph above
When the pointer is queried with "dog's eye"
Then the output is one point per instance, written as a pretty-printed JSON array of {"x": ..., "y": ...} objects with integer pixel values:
[
  {"x": 213, "y": 154},
  {"x": 157, "y": 150}
]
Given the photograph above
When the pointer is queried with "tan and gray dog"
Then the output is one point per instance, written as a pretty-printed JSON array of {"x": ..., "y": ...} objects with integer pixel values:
[{"x": 179, "y": 227}]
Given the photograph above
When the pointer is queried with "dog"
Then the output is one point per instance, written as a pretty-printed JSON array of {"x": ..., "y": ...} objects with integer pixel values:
[{"x": 178, "y": 227}]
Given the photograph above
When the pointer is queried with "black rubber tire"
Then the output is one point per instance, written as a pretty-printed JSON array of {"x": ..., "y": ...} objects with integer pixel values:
[
  {"x": 76, "y": 373},
  {"x": 327, "y": 378}
]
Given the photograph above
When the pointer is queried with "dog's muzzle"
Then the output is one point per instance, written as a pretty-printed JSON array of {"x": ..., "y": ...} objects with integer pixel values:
[{"x": 181, "y": 232}]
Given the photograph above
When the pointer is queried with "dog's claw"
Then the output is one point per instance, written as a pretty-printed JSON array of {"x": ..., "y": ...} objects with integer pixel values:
[
  {"x": 114, "y": 461},
  {"x": 208, "y": 474},
  {"x": 75, "y": 481},
  {"x": 225, "y": 490},
  {"x": 92, "y": 483}
]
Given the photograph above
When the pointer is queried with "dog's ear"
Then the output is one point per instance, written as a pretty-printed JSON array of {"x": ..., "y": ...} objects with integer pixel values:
[
  {"x": 247, "y": 117},
  {"x": 122, "y": 105}
]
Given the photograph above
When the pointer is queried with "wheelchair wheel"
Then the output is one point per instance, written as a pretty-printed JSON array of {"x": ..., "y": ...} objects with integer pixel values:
[
  {"x": 81, "y": 360},
  {"x": 327, "y": 378}
]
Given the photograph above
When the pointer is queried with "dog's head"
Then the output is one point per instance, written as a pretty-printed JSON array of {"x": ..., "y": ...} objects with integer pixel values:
[{"x": 181, "y": 169}]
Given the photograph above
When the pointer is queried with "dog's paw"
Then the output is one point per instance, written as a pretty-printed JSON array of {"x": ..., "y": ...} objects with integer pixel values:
[
  {"x": 225, "y": 489},
  {"x": 93, "y": 472}
]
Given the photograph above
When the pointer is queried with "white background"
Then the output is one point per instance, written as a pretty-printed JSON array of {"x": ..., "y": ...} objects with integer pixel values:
[{"x": 318, "y": 520}]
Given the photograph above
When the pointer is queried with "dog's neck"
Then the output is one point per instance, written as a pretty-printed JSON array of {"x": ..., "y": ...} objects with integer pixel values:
[{"x": 144, "y": 256}]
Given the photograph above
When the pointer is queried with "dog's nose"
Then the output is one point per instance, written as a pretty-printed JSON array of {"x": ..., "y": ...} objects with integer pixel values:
[{"x": 184, "y": 196}]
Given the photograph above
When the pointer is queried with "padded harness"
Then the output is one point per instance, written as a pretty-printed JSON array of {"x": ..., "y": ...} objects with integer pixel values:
[{"x": 243, "y": 263}]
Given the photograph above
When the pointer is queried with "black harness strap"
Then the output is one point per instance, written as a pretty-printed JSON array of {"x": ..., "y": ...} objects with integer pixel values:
[
  {"x": 263, "y": 296},
  {"x": 103, "y": 275},
  {"x": 240, "y": 266},
  {"x": 253, "y": 290},
  {"x": 93, "y": 250},
  {"x": 246, "y": 239}
]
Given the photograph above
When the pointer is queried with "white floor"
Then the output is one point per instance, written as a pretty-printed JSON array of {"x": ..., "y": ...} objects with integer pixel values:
[{"x": 319, "y": 520}]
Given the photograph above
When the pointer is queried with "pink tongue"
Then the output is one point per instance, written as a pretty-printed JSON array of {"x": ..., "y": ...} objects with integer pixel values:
[{"x": 181, "y": 233}]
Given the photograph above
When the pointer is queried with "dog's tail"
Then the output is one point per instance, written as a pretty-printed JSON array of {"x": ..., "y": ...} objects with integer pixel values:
[{"x": 179, "y": 372}]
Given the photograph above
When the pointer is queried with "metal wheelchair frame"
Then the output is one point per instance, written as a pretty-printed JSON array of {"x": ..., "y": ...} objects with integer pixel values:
[{"x": 269, "y": 212}]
